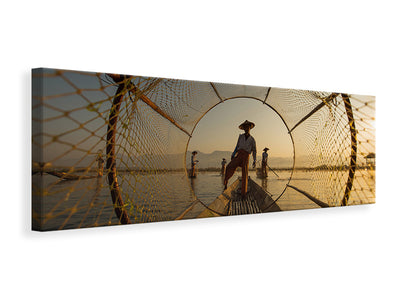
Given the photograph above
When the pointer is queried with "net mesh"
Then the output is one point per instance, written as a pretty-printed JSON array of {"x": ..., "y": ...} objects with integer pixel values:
[{"x": 111, "y": 149}]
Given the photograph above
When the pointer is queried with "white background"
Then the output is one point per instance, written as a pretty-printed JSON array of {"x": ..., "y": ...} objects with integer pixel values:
[{"x": 338, "y": 253}]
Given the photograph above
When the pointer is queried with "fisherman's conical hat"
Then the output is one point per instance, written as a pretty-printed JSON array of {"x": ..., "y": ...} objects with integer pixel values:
[
  {"x": 266, "y": 149},
  {"x": 194, "y": 152},
  {"x": 251, "y": 124}
]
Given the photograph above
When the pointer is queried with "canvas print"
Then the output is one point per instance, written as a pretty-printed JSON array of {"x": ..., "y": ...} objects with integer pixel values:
[{"x": 112, "y": 149}]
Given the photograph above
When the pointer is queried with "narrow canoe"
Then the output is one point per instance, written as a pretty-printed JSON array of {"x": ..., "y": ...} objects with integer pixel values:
[
  {"x": 260, "y": 174},
  {"x": 230, "y": 202},
  {"x": 67, "y": 176}
]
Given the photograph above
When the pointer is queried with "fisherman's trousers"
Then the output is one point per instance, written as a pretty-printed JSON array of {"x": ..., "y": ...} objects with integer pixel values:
[
  {"x": 264, "y": 169},
  {"x": 240, "y": 160}
]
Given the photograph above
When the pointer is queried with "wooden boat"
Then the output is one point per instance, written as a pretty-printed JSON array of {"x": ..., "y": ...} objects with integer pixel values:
[
  {"x": 192, "y": 174},
  {"x": 230, "y": 202},
  {"x": 260, "y": 174},
  {"x": 67, "y": 176}
]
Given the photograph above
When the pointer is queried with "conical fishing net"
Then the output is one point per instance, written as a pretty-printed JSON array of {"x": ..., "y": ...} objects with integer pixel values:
[{"x": 112, "y": 149}]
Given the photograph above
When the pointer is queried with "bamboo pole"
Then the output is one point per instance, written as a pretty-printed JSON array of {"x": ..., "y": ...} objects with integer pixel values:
[
  {"x": 353, "y": 155},
  {"x": 119, "y": 206}
]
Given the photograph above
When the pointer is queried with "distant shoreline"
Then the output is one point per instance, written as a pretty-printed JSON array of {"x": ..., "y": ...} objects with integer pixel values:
[{"x": 200, "y": 170}]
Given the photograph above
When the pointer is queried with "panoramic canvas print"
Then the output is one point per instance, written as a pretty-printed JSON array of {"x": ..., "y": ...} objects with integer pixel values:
[{"x": 112, "y": 149}]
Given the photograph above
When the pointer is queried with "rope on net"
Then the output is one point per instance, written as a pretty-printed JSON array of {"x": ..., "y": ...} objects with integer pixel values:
[{"x": 144, "y": 126}]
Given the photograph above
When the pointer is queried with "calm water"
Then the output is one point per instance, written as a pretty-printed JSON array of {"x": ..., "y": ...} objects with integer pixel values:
[{"x": 86, "y": 203}]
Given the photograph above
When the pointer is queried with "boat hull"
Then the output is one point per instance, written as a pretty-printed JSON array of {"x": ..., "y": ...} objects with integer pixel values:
[
  {"x": 66, "y": 176},
  {"x": 230, "y": 202}
]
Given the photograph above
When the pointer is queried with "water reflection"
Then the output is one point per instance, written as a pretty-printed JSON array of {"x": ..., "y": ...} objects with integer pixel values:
[
  {"x": 84, "y": 203},
  {"x": 192, "y": 183},
  {"x": 264, "y": 183}
]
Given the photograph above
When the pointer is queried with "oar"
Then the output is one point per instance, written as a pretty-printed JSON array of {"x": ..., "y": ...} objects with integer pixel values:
[{"x": 272, "y": 171}]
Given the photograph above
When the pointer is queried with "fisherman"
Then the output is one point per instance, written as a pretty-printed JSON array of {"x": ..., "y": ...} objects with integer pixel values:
[
  {"x": 264, "y": 163},
  {"x": 246, "y": 145},
  {"x": 223, "y": 166},
  {"x": 194, "y": 161},
  {"x": 100, "y": 163}
]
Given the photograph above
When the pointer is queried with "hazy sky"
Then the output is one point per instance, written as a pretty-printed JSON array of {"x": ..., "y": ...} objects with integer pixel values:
[{"x": 218, "y": 129}]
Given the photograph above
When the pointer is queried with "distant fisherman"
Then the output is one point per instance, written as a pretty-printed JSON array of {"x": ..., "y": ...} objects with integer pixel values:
[
  {"x": 193, "y": 161},
  {"x": 223, "y": 166},
  {"x": 264, "y": 163},
  {"x": 246, "y": 145},
  {"x": 100, "y": 163}
]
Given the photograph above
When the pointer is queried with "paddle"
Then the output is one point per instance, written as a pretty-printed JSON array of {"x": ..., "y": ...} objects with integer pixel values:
[
  {"x": 272, "y": 171},
  {"x": 269, "y": 168}
]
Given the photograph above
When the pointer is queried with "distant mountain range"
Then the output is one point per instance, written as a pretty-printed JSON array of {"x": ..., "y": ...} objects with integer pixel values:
[
  {"x": 176, "y": 161},
  {"x": 213, "y": 160}
]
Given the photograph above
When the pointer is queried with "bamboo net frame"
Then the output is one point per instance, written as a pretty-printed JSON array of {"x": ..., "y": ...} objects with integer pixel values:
[{"x": 140, "y": 128}]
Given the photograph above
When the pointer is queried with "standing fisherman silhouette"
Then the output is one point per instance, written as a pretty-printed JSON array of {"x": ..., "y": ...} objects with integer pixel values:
[
  {"x": 264, "y": 163},
  {"x": 193, "y": 163},
  {"x": 100, "y": 163},
  {"x": 246, "y": 145},
  {"x": 223, "y": 166}
]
